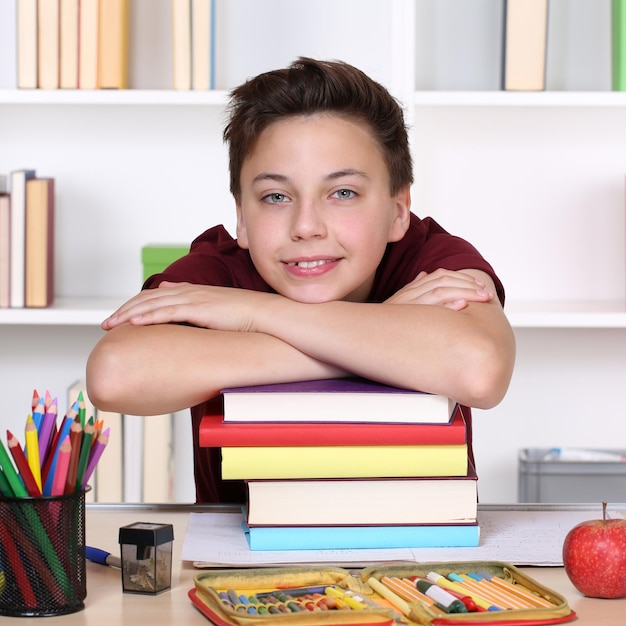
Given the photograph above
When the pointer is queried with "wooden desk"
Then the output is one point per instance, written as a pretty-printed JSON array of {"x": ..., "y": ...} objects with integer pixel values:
[{"x": 107, "y": 605}]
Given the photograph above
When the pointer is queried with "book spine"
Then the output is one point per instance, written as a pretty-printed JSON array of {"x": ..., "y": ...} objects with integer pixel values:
[
  {"x": 525, "y": 45},
  {"x": 618, "y": 45},
  {"x": 343, "y": 461},
  {"x": 355, "y": 537}
]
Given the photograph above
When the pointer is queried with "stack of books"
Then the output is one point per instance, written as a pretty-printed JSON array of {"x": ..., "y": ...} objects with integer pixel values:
[
  {"x": 72, "y": 44},
  {"x": 345, "y": 464},
  {"x": 26, "y": 240}
]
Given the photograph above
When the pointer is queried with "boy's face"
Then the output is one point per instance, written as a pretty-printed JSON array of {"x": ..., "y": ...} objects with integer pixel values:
[{"x": 315, "y": 211}]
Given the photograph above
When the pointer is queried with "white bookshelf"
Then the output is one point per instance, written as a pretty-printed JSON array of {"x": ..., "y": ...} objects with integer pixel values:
[{"x": 511, "y": 172}]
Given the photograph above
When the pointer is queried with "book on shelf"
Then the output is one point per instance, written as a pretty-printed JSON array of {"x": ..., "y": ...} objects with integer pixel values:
[
  {"x": 109, "y": 471},
  {"x": 26, "y": 44},
  {"x": 158, "y": 451},
  {"x": 181, "y": 44},
  {"x": 335, "y": 400},
  {"x": 8, "y": 37},
  {"x": 202, "y": 44},
  {"x": 113, "y": 44},
  {"x": 132, "y": 455},
  {"x": 39, "y": 243},
  {"x": 618, "y": 45},
  {"x": 68, "y": 44},
  {"x": 216, "y": 433},
  {"x": 363, "y": 502},
  {"x": 88, "y": 25},
  {"x": 5, "y": 245},
  {"x": 18, "y": 235},
  {"x": 525, "y": 45},
  {"x": 343, "y": 461},
  {"x": 48, "y": 20},
  {"x": 359, "y": 537}
]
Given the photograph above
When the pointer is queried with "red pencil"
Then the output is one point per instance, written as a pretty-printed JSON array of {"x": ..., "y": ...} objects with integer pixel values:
[
  {"x": 62, "y": 467},
  {"x": 76, "y": 435},
  {"x": 22, "y": 465}
]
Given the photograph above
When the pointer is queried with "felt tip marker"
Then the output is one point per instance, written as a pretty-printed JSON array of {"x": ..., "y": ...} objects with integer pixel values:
[
  {"x": 445, "y": 600},
  {"x": 102, "y": 557}
]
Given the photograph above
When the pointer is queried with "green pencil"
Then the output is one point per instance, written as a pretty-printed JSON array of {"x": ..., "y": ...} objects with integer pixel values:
[{"x": 11, "y": 474}]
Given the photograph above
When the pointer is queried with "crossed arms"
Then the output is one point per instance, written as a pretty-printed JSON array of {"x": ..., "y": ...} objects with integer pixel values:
[{"x": 178, "y": 345}]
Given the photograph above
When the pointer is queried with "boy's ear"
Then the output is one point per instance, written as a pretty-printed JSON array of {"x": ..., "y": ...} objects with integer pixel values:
[
  {"x": 242, "y": 235},
  {"x": 402, "y": 216}
]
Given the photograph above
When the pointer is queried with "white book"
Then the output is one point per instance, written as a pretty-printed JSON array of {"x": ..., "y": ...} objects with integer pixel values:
[
  {"x": 158, "y": 446},
  {"x": 181, "y": 44},
  {"x": 8, "y": 37},
  {"x": 27, "y": 44},
  {"x": 18, "y": 235},
  {"x": 202, "y": 44},
  {"x": 73, "y": 395},
  {"x": 132, "y": 458},
  {"x": 109, "y": 476}
]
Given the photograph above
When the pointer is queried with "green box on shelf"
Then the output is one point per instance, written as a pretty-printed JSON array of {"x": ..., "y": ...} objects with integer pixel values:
[{"x": 156, "y": 257}]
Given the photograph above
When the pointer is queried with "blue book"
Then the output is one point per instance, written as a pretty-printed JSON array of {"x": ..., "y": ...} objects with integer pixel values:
[{"x": 357, "y": 537}]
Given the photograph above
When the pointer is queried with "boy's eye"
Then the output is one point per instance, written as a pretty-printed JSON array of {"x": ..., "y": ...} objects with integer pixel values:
[
  {"x": 344, "y": 194},
  {"x": 275, "y": 198}
]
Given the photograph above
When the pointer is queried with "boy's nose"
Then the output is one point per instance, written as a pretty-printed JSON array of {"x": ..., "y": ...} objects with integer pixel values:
[{"x": 308, "y": 221}]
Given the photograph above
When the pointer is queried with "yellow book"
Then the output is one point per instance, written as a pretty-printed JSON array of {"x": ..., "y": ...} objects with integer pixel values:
[
  {"x": 343, "y": 461},
  {"x": 113, "y": 44},
  {"x": 181, "y": 44},
  {"x": 39, "y": 229},
  {"x": 68, "y": 44},
  {"x": 48, "y": 44},
  {"x": 88, "y": 44}
]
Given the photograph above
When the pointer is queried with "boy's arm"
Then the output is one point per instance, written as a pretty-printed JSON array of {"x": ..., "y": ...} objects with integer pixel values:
[{"x": 459, "y": 343}]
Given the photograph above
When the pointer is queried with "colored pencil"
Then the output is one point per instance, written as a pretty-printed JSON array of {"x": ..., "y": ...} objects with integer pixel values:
[
  {"x": 85, "y": 451},
  {"x": 61, "y": 468},
  {"x": 35, "y": 401},
  {"x": 5, "y": 488},
  {"x": 48, "y": 469},
  {"x": 38, "y": 412},
  {"x": 96, "y": 453},
  {"x": 76, "y": 433},
  {"x": 47, "y": 429},
  {"x": 22, "y": 465},
  {"x": 32, "y": 450}
]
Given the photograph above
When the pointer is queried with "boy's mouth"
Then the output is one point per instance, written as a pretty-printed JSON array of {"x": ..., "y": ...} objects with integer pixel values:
[{"x": 310, "y": 264}]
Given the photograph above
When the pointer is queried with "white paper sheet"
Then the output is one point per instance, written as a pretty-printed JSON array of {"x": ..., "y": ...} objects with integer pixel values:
[{"x": 518, "y": 537}]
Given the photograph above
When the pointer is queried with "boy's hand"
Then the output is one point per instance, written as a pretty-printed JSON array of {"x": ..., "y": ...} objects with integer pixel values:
[
  {"x": 204, "y": 306},
  {"x": 451, "y": 289}
]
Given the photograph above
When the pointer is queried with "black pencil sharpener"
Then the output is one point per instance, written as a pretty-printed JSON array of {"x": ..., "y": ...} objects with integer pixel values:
[{"x": 146, "y": 551}]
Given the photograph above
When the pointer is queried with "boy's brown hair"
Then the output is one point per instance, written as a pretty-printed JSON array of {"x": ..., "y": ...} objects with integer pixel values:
[{"x": 309, "y": 86}]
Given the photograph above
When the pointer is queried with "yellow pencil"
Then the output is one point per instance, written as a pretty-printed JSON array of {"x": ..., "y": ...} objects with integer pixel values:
[{"x": 32, "y": 449}]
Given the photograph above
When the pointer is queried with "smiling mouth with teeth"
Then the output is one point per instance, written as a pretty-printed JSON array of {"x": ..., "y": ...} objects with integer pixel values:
[{"x": 310, "y": 264}]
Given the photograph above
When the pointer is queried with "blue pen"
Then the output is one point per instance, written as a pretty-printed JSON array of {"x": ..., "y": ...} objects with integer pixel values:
[{"x": 102, "y": 557}]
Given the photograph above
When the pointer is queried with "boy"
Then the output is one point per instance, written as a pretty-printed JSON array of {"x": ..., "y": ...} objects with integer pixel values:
[{"x": 330, "y": 274}]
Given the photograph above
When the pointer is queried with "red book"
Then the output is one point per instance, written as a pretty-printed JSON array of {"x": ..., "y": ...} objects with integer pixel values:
[{"x": 215, "y": 433}]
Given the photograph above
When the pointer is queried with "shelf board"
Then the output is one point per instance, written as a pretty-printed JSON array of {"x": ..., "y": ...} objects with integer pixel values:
[
  {"x": 64, "y": 312},
  {"x": 113, "y": 97},
  {"x": 574, "y": 314},
  {"x": 520, "y": 98},
  {"x": 92, "y": 311}
]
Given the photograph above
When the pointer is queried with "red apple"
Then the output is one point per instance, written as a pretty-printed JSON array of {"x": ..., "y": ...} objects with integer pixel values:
[{"x": 594, "y": 557}]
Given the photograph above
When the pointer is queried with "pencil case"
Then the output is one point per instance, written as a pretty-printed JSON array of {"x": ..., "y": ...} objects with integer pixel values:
[{"x": 210, "y": 596}]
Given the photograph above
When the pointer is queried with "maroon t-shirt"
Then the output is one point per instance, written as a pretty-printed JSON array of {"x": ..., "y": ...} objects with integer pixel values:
[{"x": 216, "y": 259}]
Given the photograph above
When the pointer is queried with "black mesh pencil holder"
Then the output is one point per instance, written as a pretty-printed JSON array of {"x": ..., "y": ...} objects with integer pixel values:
[{"x": 42, "y": 555}]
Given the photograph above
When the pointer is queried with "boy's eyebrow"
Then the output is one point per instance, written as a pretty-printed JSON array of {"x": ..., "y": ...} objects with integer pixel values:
[{"x": 281, "y": 178}]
